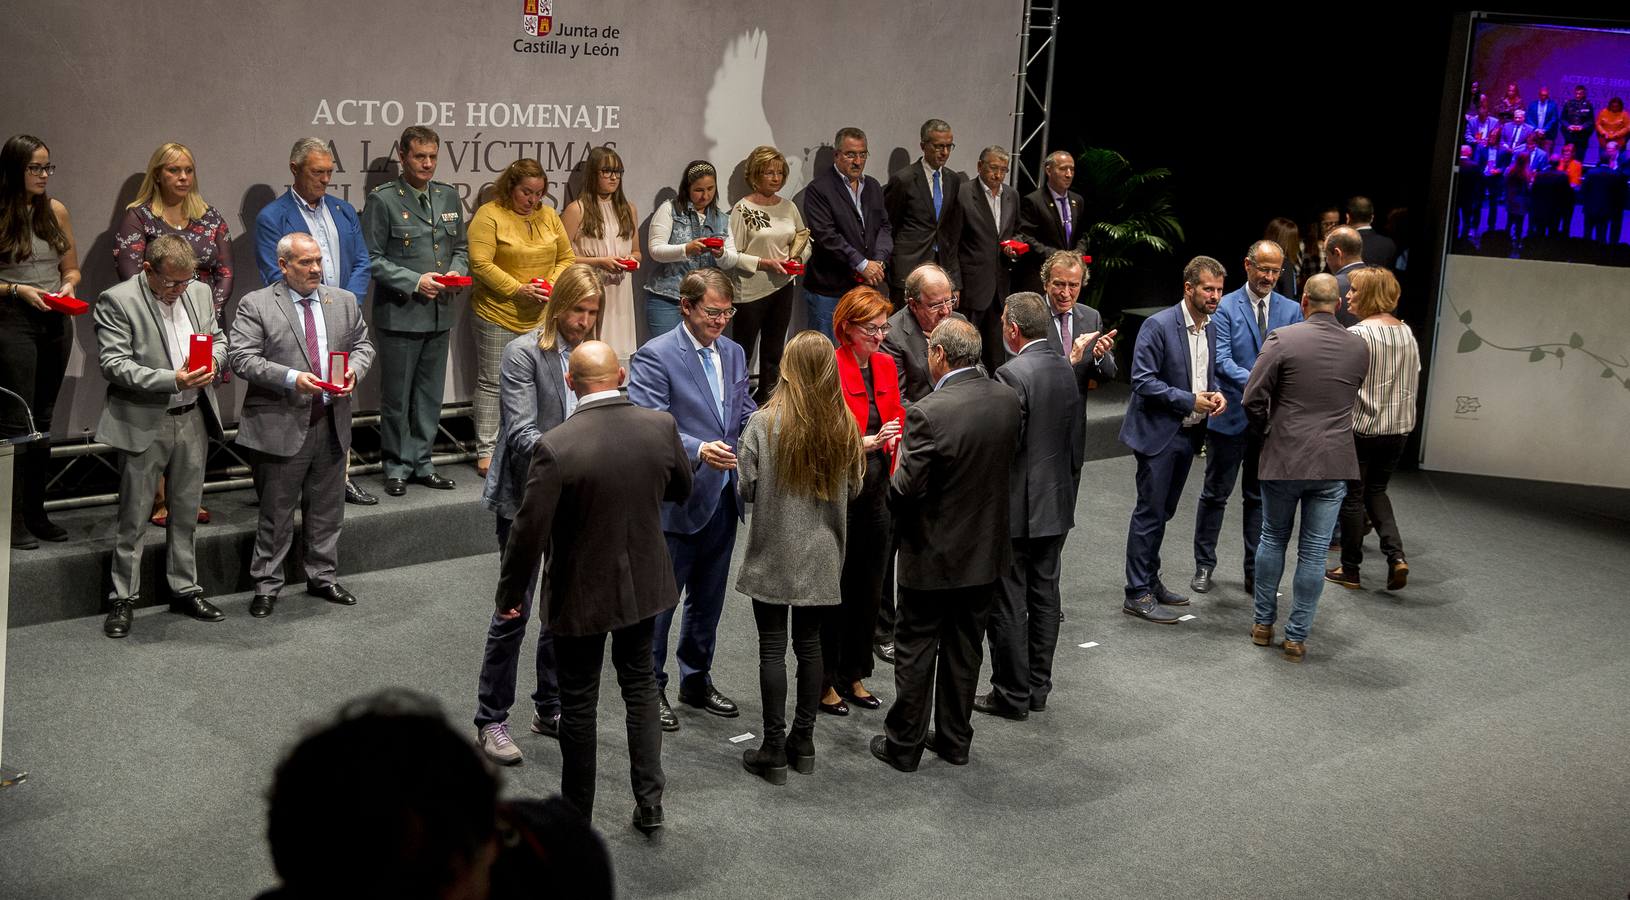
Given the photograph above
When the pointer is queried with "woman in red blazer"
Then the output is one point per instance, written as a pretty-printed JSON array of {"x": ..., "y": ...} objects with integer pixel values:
[{"x": 871, "y": 388}]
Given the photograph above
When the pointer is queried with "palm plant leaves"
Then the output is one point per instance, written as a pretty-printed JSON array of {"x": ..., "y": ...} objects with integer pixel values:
[{"x": 1130, "y": 213}]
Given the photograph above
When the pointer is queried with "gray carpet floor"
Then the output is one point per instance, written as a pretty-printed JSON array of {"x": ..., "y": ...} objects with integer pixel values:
[{"x": 1462, "y": 738}]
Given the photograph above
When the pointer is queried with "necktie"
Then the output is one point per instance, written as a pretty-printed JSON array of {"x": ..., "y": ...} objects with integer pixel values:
[
  {"x": 713, "y": 380},
  {"x": 1064, "y": 333},
  {"x": 424, "y": 204},
  {"x": 1262, "y": 318},
  {"x": 1064, "y": 216},
  {"x": 939, "y": 198},
  {"x": 311, "y": 353}
]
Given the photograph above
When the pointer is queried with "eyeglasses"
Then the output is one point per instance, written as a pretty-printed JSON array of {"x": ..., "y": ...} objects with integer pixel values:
[
  {"x": 1266, "y": 270},
  {"x": 37, "y": 169},
  {"x": 166, "y": 284},
  {"x": 942, "y": 148},
  {"x": 615, "y": 173},
  {"x": 942, "y": 306},
  {"x": 871, "y": 330},
  {"x": 855, "y": 154},
  {"x": 727, "y": 313}
]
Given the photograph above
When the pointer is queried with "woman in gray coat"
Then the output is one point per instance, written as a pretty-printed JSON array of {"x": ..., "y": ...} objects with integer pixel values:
[{"x": 800, "y": 464}]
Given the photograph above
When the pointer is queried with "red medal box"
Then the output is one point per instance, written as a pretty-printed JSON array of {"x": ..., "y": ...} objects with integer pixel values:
[
  {"x": 453, "y": 281},
  {"x": 338, "y": 361},
  {"x": 65, "y": 304},
  {"x": 713, "y": 243},
  {"x": 793, "y": 266},
  {"x": 1019, "y": 247},
  {"x": 629, "y": 263},
  {"x": 200, "y": 352},
  {"x": 548, "y": 288}
]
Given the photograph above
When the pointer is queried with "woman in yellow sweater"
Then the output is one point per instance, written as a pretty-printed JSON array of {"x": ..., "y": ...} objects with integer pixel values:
[{"x": 514, "y": 239}]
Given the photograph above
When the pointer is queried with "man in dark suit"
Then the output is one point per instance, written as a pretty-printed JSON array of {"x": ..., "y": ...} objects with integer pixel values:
[
  {"x": 1545, "y": 114},
  {"x": 1174, "y": 392},
  {"x": 930, "y": 300},
  {"x": 1050, "y": 219},
  {"x": 921, "y": 200},
  {"x": 699, "y": 376},
  {"x": 299, "y": 431},
  {"x": 1041, "y": 511},
  {"x": 1301, "y": 396},
  {"x": 1343, "y": 251},
  {"x": 1603, "y": 196},
  {"x": 986, "y": 214},
  {"x": 1378, "y": 249},
  {"x": 1578, "y": 123},
  {"x": 308, "y": 207},
  {"x": 849, "y": 227},
  {"x": 1077, "y": 331},
  {"x": 1244, "y": 319},
  {"x": 946, "y": 507},
  {"x": 593, "y": 500}
]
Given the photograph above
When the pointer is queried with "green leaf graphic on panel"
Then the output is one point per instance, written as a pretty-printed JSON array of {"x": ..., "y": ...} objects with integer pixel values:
[
  {"x": 1537, "y": 355},
  {"x": 1469, "y": 342},
  {"x": 1466, "y": 317},
  {"x": 1575, "y": 341},
  {"x": 1607, "y": 373}
]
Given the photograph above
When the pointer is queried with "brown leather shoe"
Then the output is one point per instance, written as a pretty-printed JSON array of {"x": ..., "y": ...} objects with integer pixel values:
[
  {"x": 1397, "y": 575},
  {"x": 1294, "y": 651},
  {"x": 1343, "y": 576},
  {"x": 1261, "y": 635}
]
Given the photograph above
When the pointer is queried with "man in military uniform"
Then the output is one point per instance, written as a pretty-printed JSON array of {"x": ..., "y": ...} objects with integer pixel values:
[{"x": 415, "y": 231}]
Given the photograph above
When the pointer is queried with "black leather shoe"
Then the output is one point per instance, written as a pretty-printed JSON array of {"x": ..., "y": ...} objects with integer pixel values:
[
  {"x": 333, "y": 594},
  {"x": 1164, "y": 595},
  {"x": 990, "y": 706},
  {"x": 395, "y": 487},
  {"x": 355, "y": 494},
  {"x": 1250, "y": 584},
  {"x": 665, "y": 713},
  {"x": 931, "y": 742},
  {"x": 884, "y": 652},
  {"x": 261, "y": 606},
  {"x": 22, "y": 538},
  {"x": 839, "y": 708},
  {"x": 880, "y": 749},
  {"x": 801, "y": 751},
  {"x": 1201, "y": 582},
  {"x": 196, "y": 606},
  {"x": 548, "y": 726},
  {"x": 45, "y": 529},
  {"x": 647, "y": 819},
  {"x": 869, "y": 701},
  {"x": 432, "y": 481},
  {"x": 708, "y": 698},
  {"x": 117, "y": 624},
  {"x": 1038, "y": 704}
]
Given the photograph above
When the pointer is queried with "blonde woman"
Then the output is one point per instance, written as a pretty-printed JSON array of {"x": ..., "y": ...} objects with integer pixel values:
[
  {"x": 769, "y": 232},
  {"x": 800, "y": 464},
  {"x": 515, "y": 241},
  {"x": 602, "y": 226}
]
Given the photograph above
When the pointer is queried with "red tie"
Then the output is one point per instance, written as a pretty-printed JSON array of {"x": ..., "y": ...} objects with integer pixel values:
[{"x": 311, "y": 353}]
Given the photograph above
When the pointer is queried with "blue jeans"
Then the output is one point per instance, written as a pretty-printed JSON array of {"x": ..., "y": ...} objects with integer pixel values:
[
  {"x": 661, "y": 315},
  {"x": 495, "y": 692},
  {"x": 1320, "y": 502},
  {"x": 818, "y": 310}
]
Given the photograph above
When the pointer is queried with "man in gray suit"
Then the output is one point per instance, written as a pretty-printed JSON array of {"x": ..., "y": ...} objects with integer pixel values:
[
  {"x": 930, "y": 300},
  {"x": 299, "y": 431},
  {"x": 159, "y": 414},
  {"x": 985, "y": 215},
  {"x": 1041, "y": 511},
  {"x": 1077, "y": 331},
  {"x": 1300, "y": 397}
]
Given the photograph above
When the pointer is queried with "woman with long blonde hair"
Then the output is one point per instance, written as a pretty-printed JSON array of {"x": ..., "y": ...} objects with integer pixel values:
[{"x": 800, "y": 463}]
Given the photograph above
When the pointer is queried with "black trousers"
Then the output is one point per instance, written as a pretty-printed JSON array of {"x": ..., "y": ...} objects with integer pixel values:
[
  {"x": 848, "y": 630},
  {"x": 34, "y": 349},
  {"x": 578, "y": 661},
  {"x": 1377, "y": 460},
  {"x": 937, "y": 653},
  {"x": 764, "y": 320},
  {"x": 1024, "y": 623},
  {"x": 1229, "y": 457},
  {"x": 771, "y": 619}
]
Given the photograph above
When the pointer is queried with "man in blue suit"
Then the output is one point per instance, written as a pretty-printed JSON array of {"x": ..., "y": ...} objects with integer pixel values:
[
  {"x": 1244, "y": 320},
  {"x": 699, "y": 376},
  {"x": 1545, "y": 114},
  {"x": 1174, "y": 392},
  {"x": 308, "y": 208}
]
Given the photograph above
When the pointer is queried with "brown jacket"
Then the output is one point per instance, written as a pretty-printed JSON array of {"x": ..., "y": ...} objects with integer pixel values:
[{"x": 1300, "y": 397}]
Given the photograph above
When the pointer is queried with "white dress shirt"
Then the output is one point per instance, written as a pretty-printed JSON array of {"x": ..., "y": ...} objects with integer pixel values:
[{"x": 1199, "y": 360}]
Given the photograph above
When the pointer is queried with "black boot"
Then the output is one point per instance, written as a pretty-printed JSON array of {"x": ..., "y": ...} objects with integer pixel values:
[
  {"x": 769, "y": 762},
  {"x": 801, "y": 751},
  {"x": 21, "y": 538}
]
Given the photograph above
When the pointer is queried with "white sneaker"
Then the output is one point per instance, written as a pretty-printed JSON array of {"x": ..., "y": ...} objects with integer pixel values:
[{"x": 495, "y": 742}]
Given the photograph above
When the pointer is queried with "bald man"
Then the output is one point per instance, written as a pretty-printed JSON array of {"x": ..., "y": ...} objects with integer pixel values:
[
  {"x": 594, "y": 496},
  {"x": 1344, "y": 255}
]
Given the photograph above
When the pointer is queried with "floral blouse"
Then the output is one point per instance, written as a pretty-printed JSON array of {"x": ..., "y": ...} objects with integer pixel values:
[{"x": 208, "y": 236}]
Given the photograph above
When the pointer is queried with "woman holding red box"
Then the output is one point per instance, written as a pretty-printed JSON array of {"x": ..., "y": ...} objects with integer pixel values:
[
  {"x": 37, "y": 257},
  {"x": 871, "y": 388},
  {"x": 602, "y": 225},
  {"x": 691, "y": 231},
  {"x": 774, "y": 244}
]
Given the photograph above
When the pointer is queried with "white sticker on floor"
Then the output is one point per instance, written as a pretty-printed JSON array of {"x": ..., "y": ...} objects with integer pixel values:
[
  {"x": 742, "y": 737},
  {"x": 1088, "y": 645},
  {"x": 1185, "y": 618}
]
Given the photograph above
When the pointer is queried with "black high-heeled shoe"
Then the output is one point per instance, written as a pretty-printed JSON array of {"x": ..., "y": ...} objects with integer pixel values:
[
  {"x": 767, "y": 762},
  {"x": 800, "y": 752}
]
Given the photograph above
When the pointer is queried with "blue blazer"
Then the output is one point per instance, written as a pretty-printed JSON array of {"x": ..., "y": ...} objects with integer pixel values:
[
  {"x": 1238, "y": 345},
  {"x": 282, "y": 216},
  {"x": 1161, "y": 398},
  {"x": 666, "y": 375}
]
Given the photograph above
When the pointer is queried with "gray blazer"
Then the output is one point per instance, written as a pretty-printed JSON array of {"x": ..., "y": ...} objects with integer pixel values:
[
  {"x": 1083, "y": 320},
  {"x": 268, "y": 340},
  {"x": 135, "y": 359},
  {"x": 794, "y": 544},
  {"x": 909, "y": 347},
  {"x": 1046, "y": 469},
  {"x": 1301, "y": 395},
  {"x": 532, "y": 396}
]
